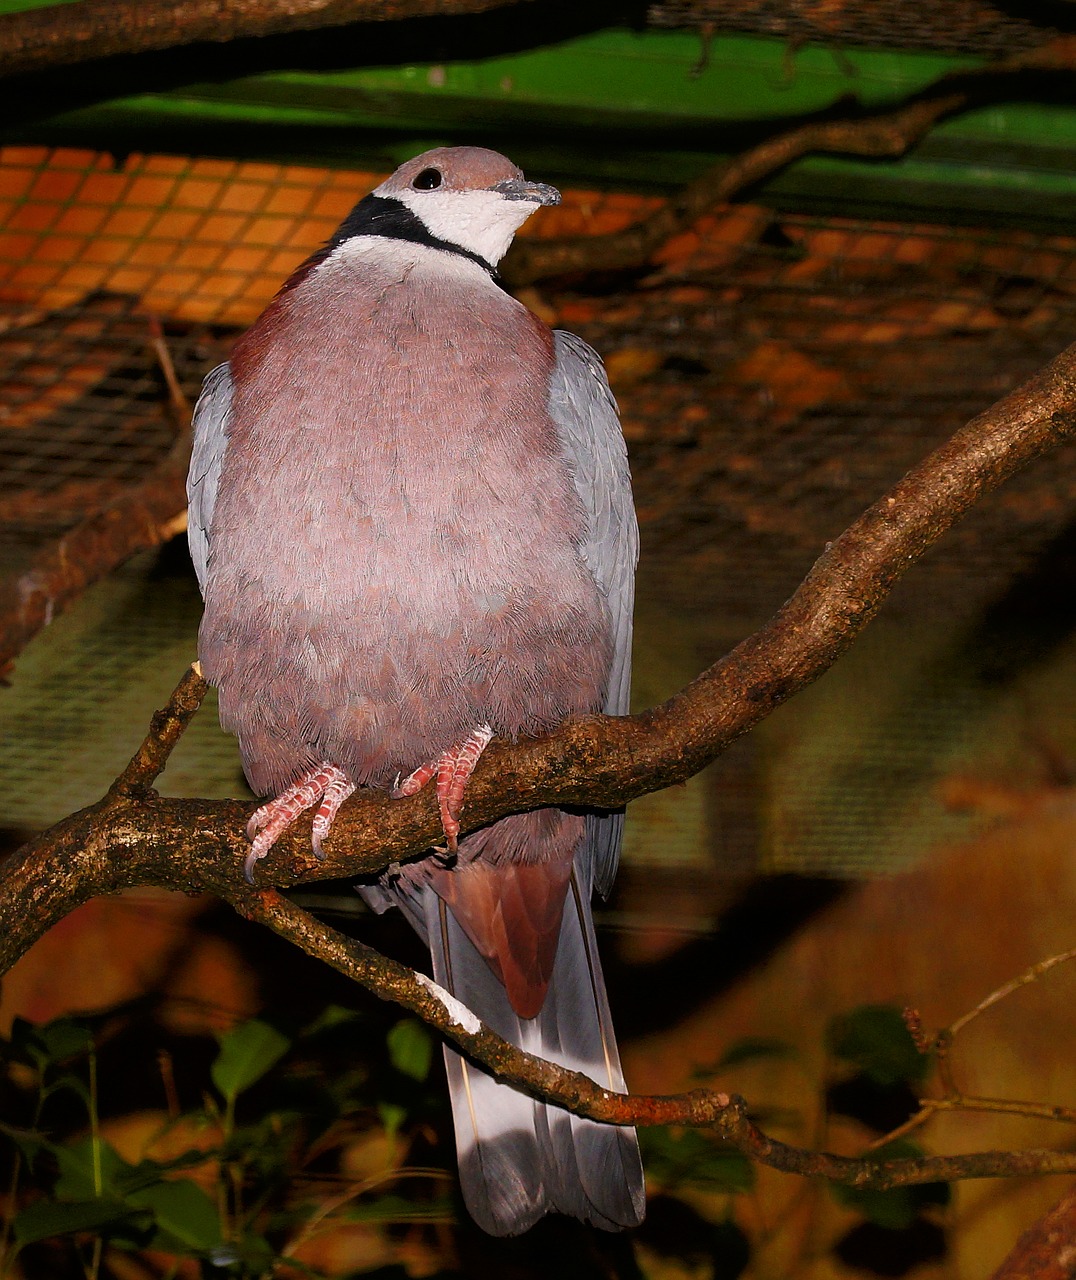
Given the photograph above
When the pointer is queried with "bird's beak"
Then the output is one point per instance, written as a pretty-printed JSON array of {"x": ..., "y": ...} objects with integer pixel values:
[{"x": 520, "y": 189}]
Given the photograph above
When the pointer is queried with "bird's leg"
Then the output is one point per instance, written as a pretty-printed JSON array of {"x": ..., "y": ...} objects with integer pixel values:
[
  {"x": 326, "y": 783},
  {"x": 415, "y": 781},
  {"x": 336, "y": 793},
  {"x": 451, "y": 782},
  {"x": 451, "y": 769}
]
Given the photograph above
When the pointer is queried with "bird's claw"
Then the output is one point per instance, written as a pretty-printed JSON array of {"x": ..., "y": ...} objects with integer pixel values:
[
  {"x": 452, "y": 769},
  {"x": 326, "y": 784},
  {"x": 249, "y": 863}
]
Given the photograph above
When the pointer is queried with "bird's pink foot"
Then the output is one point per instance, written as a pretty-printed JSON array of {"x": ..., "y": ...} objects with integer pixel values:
[
  {"x": 326, "y": 784},
  {"x": 336, "y": 793},
  {"x": 452, "y": 770}
]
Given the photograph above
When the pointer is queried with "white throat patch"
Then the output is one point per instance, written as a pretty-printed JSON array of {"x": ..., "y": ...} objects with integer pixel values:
[{"x": 482, "y": 222}]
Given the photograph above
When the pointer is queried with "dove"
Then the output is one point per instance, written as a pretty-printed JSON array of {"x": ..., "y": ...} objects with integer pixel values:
[{"x": 410, "y": 515}]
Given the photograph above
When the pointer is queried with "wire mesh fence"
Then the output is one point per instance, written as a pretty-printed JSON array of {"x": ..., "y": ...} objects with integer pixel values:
[
  {"x": 959, "y": 26},
  {"x": 775, "y": 371}
]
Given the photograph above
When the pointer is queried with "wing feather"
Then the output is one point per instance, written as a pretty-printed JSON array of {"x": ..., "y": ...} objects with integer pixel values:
[
  {"x": 588, "y": 426},
  {"x": 212, "y": 417}
]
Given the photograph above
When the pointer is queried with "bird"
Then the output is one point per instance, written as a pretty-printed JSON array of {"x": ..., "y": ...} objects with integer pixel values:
[{"x": 411, "y": 519}]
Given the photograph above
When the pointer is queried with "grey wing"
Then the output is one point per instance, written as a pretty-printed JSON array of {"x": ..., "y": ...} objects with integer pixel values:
[
  {"x": 212, "y": 417},
  {"x": 588, "y": 424}
]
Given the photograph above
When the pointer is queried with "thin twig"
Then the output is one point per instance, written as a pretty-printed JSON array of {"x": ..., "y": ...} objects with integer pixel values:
[
  {"x": 953, "y": 1098},
  {"x": 313, "y": 1224},
  {"x": 1003, "y": 1106},
  {"x": 166, "y": 728},
  {"x": 177, "y": 397},
  {"x": 929, "y": 1108},
  {"x": 916, "y": 1121},
  {"x": 1006, "y": 989}
]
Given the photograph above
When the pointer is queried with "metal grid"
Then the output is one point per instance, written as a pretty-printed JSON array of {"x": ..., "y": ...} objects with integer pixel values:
[
  {"x": 958, "y": 26},
  {"x": 205, "y": 240},
  {"x": 83, "y": 693},
  {"x": 192, "y": 239},
  {"x": 775, "y": 373},
  {"x": 84, "y": 413},
  {"x": 779, "y": 372}
]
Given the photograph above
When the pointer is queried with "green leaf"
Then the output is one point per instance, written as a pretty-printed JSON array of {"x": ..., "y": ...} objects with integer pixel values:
[
  {"x": 77, "y": 1176},
  {"x": 692, "y": 1157},
  {"x": 247, "y": 1052},
  {"x": 332, "y": 1016},
  {"x": 898, "y": 1207},
  {"x": 46, "y": 1218},
  {"x": 874, "y": 1039},
  {"x": 411, "y": 1048},
  {"x": 186, "y": 1217},
  {"x": 393, "y": 1208},
  {"x": 58, "y": 1041},
  {"x": 391, "y": 1115}
]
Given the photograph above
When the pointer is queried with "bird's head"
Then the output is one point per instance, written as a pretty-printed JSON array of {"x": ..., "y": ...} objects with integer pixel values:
[{"x": 467, "y": 197}]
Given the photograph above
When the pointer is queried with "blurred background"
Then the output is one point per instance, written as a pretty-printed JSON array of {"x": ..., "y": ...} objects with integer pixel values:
[{"x": 900, "y": 834}]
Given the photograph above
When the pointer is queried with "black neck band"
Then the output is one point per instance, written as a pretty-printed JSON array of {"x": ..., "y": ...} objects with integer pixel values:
[{"x": 383, "y": 216}]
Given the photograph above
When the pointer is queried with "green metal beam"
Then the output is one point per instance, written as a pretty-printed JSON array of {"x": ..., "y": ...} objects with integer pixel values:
[
  {"x": 651, "y": 78},
  {"x": 611, "y": 79}
]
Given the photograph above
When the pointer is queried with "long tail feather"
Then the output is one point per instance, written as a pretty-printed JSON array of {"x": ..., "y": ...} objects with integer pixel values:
[{"x": 519, "y": 1158}]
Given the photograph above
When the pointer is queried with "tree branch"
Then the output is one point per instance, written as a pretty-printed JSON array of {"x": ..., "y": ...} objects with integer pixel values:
[
  {"x": 879, "y": 134},
  {"x": 725, "y": 1113},
  {"x": 940, "y": 1046},
  {"x": 63, "y": 35},
  {"x": 132, "y": 836},
  {"x": 1046, "y": 1250}
]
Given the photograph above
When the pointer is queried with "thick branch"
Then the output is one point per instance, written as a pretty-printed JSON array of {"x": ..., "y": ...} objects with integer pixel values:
[
  {"x": 133, "y": 837},
  {"x": 127, "y": 840},
  {"x": 1046, "y": 1250},
  {"x": 66, "y": 34}
]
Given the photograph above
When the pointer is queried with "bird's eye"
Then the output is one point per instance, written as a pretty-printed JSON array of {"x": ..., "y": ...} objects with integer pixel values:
[{"x": 427, "y": 180}]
